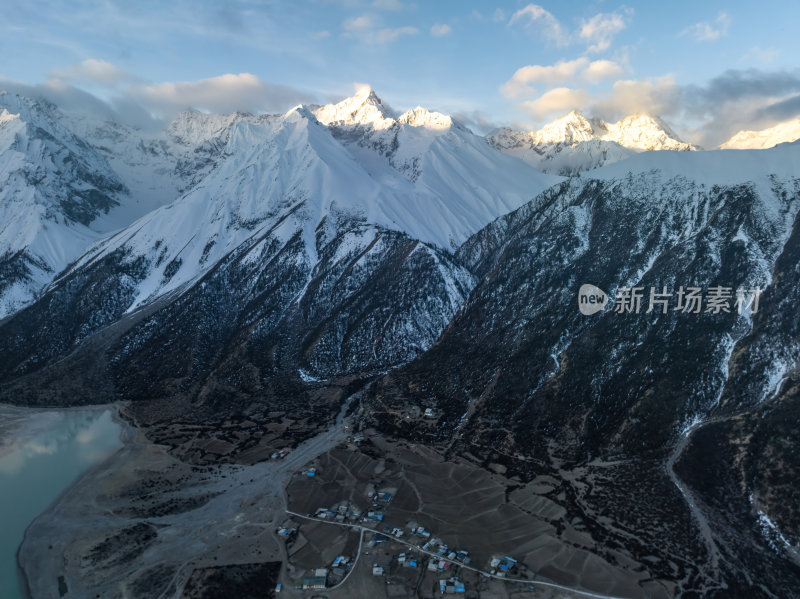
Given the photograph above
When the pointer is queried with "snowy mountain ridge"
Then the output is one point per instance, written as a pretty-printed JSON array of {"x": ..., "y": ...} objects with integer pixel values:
[
  {"x": 363, "y": 108},
  {"x": 398, "y": 169},
  {"x": 784, "y": 132},
  {"x": 573, "y": 143},
  {"x": 636, "y": 131},
  {"x": 55, "y": 191},
  {"x": 288, "y": 175},
  {"x": 68, "y": 180},
  {"x": 434, "y": 164}
]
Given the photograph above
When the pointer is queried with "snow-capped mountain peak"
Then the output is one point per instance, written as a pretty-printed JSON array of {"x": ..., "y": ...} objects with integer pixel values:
[
  {"x": 364, "y": 108},
  {"x": 301, "y": 111},
  {"x": 571, "y": 128},
  {"x": 192, "y": 127},
  {"x": 422, "y": 117},
  {"x": 573, "y": 143},
  {"x": 636, "y": 131},
  {"x": 6, "y": 116},
  {"x": 766, "y": 138},
  {"x": 53, "y": 189},
  {"x": 644, "y": 132}
]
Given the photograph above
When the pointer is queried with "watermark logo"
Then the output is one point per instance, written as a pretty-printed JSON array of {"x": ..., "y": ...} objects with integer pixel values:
[
  {"x": 591, "y": 299},
  {"x": 688, "y": 300}
]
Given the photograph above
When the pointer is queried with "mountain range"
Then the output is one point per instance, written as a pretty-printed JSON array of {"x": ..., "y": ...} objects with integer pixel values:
[
  {"x": 787, "y": 131},
  {"x": 246, "y": 266},
  {"x": 573, "y": 143}
]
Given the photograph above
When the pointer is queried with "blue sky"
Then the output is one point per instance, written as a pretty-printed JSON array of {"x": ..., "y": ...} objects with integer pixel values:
[{"x": 709, "y": 68}]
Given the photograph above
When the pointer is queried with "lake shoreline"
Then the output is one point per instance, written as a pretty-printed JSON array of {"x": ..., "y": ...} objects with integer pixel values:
[
  {"x": 24, "y": 413},
  {"x": 140, "y": 522}
]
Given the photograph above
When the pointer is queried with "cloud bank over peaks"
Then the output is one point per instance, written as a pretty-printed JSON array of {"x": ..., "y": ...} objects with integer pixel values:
[
  {"x": 580, "y": 70},
  {"x": 118, "y": 94}
]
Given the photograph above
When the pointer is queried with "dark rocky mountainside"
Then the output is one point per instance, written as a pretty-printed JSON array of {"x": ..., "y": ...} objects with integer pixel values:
[
  {"x": 288, "y": 260},
  {"x": 258, "y": 333},
  {"x": 641, "y": 416}
]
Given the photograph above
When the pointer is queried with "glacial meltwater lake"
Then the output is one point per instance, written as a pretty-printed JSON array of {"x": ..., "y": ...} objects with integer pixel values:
[{"x": 41, "y": 454}]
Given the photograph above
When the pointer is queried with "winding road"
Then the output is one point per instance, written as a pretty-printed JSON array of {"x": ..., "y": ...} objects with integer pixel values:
[{"x": 541, "y": 583}]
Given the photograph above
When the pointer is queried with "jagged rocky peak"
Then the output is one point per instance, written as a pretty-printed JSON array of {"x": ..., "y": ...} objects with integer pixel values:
[
  {"x": 363, "y": 108},
  {"x": 298, "y": 112},
  {"x": 192, "y": 127},
  {"x": 45, "y": 164},
  {"x": 14, "y": 104},
  {"x": 8, "y": 107},
  {"x": 573, "y": 127},
  {"x": 422, "y": 117},
  {"x": 645, "y": 132},
  {"x": 54, "y": 188},
  {"x": 32, "y": 114},
  {"x": 6, "y": 116},
  {"x": 366, "y": 108},
  {"x": 574, "y": 143},
  {"x": 784, "y": 132},
  {"x": 636, "y": 131}
]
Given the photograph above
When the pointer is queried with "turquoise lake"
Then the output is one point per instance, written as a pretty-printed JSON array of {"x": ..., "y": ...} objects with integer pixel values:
[{"x": 41, "y": 454}]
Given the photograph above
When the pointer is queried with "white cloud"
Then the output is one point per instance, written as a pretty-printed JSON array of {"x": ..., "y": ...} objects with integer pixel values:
[
  {"x": 321, "y": 35},
  {"x": 578, "y": 70},
  {"x": 134, "y": 100},
  {"x": 389, "y": 35},
  {"x": 224, "y": 93},
  {"x": 477, "y": 120},
  {"x": 441, "y": 30},
  {"x": 760, "y": 55},
  {"x": 557, "y": 101},
  {"x": 709, "y": 32},
  {"x": 534, "y": 15},
  {"x": 557, "y": 73},
  {"x": 499, "y": 15},
  {"x": 599, "y": 31},
  {"x": 602, "y": 69},
  {"x": 367, "y": 28},
  {"x": 659, "y": 96},
  {"x": 131, "y": 99},
  {"x": 360, "y": 24},
  {"x": 95, "y": 71}
]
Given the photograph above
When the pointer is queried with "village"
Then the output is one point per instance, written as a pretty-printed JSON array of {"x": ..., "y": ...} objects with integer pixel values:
[{"x": 404, "y": 557}]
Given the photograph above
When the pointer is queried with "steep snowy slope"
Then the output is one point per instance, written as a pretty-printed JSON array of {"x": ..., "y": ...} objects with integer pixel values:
[
  {"x": 436, "y": 165},
  {"x": 364, "y": 108},
  {"x": 290, "y": 173},
  {"x": 70, "y": 179},
  {"x": 53, "y": 189},
  {"x": 157, "y": 166},
  {"x": 572, "y": 143},
  {"x": 266, "y": 174},
  {"x": 437, "y": 183},
  {"x": 332, "y": 241},
  {"x": 643, "y": 132},
  {"x": 766, "y": 138},
  {"x": 287, "y": 262}
]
